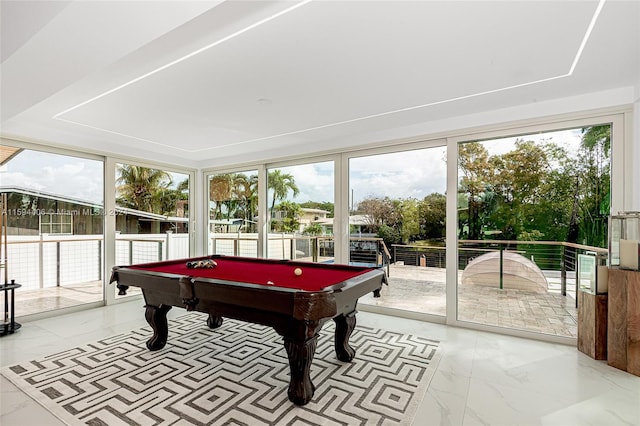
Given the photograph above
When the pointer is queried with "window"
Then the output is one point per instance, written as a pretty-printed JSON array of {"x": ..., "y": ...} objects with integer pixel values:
[
  {"x": 233, "y": 213},
  {"x": 55, "y": 246},
  {"x": 301, "y": 210},
  {"x": 528, "y": 207},
  {"x": 151, "y": 215},
  {"x": 56, "y": 223},
  {"x": 397, "y": 222}
]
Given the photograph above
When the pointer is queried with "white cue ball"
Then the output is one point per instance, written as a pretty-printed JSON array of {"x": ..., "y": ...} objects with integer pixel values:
[{"x": 297, "y": 271}]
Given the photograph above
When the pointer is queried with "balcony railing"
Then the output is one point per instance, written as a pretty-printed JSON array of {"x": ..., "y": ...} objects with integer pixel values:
[
  {"x": 47, "y": 261},
  {"x": 552, "y": 257},
  {"x": 363, "y": 250}
]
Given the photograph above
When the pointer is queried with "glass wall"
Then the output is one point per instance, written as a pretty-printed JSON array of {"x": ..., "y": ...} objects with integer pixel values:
[
  {"x": 233, "y": 213},
  {"x": 54, "y": 235},
  {"x": 528, "y": 207},
  {"x": 541, "y": 197},
  {"x": 301, "y": 211},
  {"x": 152, "y": 215},
  {"x": 397, "y": 222}
]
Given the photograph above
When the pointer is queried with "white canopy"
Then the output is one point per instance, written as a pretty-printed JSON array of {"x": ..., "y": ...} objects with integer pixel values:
[{"x": 518, "y": 272}]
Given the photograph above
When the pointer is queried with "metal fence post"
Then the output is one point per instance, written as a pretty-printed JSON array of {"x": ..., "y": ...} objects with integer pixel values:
[
  {"x": 314, "y": 248},
  {"x": 563, "y": 271},
  {"x": 57, "y": 263},
  {"x": 99, "y": 260},
  {"x": 575, "y": 268},
  {"x": 501, "y": 267},
  {"x": 41, "y": 261},
  {"x": 292, "y": 248}
]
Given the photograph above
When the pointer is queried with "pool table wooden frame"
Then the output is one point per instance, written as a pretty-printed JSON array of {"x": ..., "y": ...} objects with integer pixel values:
[{"x": 297, "y": 315}]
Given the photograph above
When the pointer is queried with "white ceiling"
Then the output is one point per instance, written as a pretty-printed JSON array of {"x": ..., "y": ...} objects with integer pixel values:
[{"x": 202, "y": 83}]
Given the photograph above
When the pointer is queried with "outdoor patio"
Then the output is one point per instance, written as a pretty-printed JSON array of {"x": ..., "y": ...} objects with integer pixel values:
[
  {"x": 422, "y": 289},
  {"x": 411, "y": 288}
]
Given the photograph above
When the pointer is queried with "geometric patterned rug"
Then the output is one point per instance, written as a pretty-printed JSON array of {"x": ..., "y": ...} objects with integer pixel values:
[{"x": 237, "y": 374}]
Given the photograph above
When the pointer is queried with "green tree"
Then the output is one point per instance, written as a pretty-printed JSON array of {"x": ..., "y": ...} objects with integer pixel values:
[
  {"x": 473, "y": 163},
  {"x": 518, "y": 175},
  {"x": 289, "y": 220},
  {"x": 246, "y": 191},
  {"x": 408, "y": 224},
  {"x": 594, "y": 180},
  {"x": 538, "y": 190},
  {"x": 394, "y": 220},
  {"x": 379, "y": 211},
  {"x": 220, "y": 190},
  {"x": 312, "y": 229},
  {"x": 173, "y": 202},
  {"x": 237, "y": 204},
  {"x": 432, "y": 212},
  {"x": 142, "y": 188},
  {"x": 324, "y": 205},
  {"x": 281, "y": 183},
  {"x": 552, "y": 213},
  {"x": 389, "y": 235}
]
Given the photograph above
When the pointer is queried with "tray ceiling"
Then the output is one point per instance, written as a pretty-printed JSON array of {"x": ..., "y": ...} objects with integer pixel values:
[{"x": 200, "y": 83}]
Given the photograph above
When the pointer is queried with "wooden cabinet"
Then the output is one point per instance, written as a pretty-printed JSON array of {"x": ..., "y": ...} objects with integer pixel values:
[{"x": 623, "y": 325}]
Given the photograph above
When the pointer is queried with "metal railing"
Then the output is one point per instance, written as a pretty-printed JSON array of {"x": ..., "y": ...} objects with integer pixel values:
[
  {"x": 362, "y": 250},
  {"x": 552, "y": 257},
  {"x": 55, "y": 262}
]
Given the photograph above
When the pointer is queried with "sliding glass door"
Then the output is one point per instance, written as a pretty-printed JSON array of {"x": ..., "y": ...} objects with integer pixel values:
[
  {"x": 301, "y": 212},
  {"x": 54, "y": 237},
  {"x": 151, "y": 215},
  {"x": 529, "y": 207},
  {"x": 397, "y": 222},
  {"x": 232, "y": 211}
]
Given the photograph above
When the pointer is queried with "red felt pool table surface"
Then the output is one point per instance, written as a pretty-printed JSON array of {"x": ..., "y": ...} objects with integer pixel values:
[{"x": 314, "y": 277}]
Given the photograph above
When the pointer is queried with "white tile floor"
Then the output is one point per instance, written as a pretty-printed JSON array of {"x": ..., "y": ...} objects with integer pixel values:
[{"x": 482, "y": 379}]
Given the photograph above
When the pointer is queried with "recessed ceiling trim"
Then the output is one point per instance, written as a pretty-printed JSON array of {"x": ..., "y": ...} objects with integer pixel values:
[
  {"x": 185, "y": 57},
  {"x": 586, "y": 36},
  {"x": 175, "y": 148},
  {"x": 572, "y": 68}
]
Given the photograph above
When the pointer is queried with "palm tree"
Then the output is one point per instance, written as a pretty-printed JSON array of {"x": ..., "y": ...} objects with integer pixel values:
[
  {"x": 281, "y": 184},
  {"x": 245, "y": 192},
  {"x": 220, "y": 190},
  {"x": 142, "y": 188}
]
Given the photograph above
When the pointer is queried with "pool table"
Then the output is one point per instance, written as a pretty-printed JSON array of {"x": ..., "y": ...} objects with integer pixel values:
[{"x": 261, "y": 291}]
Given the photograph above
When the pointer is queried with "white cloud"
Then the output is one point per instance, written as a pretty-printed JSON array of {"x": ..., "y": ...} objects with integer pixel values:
[
  {"x": 315, "y": 181},
  {"x": 57, "y": 174},
  {"x": 410, "y": 174}
]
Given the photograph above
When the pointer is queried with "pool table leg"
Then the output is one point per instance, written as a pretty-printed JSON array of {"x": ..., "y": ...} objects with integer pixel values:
[
  {"x": 156, "y": 316},
  {"x": 300, "y": 352},
  {"x": 214, "y": 321},
  {"x": 344, "y": 327}
]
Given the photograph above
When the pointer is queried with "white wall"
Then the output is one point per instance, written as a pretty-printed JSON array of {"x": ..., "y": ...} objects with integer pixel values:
[{"x": 633, "y": 176}]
